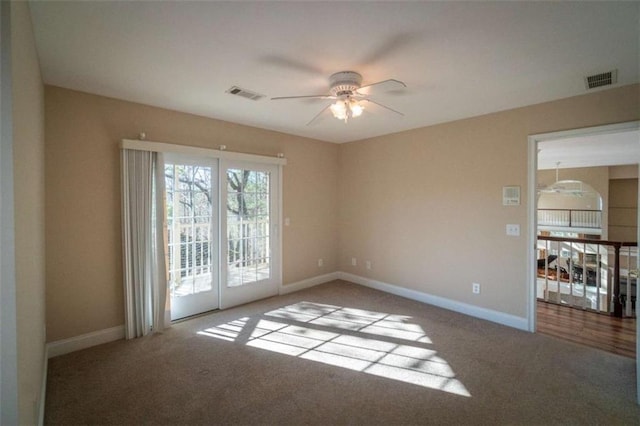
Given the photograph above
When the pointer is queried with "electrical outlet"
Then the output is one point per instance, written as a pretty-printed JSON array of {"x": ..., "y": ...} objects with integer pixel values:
[
  {"x": 320, "y": 263},
  {"x": 476, "y": 288},
  {"x": 368, "y": 264},
  {"x": 354, "y": 261}
]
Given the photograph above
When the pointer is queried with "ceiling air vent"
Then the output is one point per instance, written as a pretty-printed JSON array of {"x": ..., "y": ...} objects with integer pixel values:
[
  {"x": 238, "y": 91},
  {"x": 603, "y": 79}
]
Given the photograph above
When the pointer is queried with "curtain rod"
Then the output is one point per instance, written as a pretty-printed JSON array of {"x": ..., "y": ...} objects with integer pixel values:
[{"x": 221, "y": 152}]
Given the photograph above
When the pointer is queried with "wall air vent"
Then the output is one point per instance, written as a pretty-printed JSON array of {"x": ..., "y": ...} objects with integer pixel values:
[
  {"x": 238, "y": 91},
  {"x": 603, "y": 79}
]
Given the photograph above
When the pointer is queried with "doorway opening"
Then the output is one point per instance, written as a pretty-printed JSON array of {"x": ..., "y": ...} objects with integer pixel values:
[{"x": 584, "y": 256}]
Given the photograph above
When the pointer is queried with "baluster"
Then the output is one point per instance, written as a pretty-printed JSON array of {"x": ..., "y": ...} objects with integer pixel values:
[
  {"x": 570, "y": 269},
  {"x": 585, "y": 276},
  {"x": 598, "y": 281},
  {"x": 628, "y": 292},
  {"x": 558, "y": 289},
  {"x": 546, "y": 271},
  {"x": 617, "y": 305}
]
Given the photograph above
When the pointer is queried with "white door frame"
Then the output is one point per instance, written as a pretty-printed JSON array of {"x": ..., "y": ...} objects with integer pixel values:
[
  {"x": 532, "y": 207},
  {"x": 8, "y": 315}
]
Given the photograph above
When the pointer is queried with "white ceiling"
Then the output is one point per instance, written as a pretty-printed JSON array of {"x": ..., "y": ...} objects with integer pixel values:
[
  {"x": 458, "y": 59},
  {"x": 619, "y": 148}
]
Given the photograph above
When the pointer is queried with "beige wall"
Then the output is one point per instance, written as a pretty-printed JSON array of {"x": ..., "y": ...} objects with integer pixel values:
[
  {"x": 623, "y": 209},
  {"x": 597, "y": 177},
  {"x": 425, "y": 205},
  {"x": 84, "y": 267},
  {"x": 28, "y": 145},
  {"x": 623, "y": 172}
]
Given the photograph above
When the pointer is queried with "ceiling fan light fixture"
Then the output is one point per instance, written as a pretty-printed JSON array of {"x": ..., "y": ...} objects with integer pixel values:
[
  {"x": 344, "y": 109},
  {"x": 356, "y": 108},
  {"x": 339, "y": 110}
]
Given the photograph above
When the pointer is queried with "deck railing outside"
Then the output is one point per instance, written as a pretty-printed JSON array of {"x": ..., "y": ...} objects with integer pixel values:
[
  {"x": 589, "y": 274},
  {"x": 189, "y": 256}
]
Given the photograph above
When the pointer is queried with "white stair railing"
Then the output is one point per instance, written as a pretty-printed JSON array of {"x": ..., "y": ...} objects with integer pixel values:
[{"x": 588, "y": 274}]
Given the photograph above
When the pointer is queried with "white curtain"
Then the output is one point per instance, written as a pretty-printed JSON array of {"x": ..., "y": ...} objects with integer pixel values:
[{"x": 143, "y": 220}]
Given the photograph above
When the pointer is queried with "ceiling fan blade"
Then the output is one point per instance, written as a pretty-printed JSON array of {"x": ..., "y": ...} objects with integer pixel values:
[
  {"x": 384, "y": 85},
  {"x": 390, "y": 47},
  {"x": 318, "y": 115},
  {"x": 383, "y": 106},
  {"x": 304, "y": 97}
]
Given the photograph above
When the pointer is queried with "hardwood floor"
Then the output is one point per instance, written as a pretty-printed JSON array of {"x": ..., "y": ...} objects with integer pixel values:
[{"x": 616, "y": 335}]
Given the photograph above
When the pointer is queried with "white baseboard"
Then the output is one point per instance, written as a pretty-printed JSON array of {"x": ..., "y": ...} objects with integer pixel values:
[
  {"x": 43, "y": 386},
  {"x": 309, "y": 282},
  {"x": 61, "y": 347},
  {"x": 88, "y": 340},
  {"x": 452, "y": 305}
]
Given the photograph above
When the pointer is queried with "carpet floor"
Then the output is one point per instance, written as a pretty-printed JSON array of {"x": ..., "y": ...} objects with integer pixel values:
[{"x": 340, "y": 353}]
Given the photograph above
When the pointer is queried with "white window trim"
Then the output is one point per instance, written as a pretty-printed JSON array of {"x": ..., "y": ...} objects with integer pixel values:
[{"x": 200, "y": 152}]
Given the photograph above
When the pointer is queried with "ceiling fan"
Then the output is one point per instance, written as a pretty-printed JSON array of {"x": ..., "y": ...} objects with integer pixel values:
[
  {"x": 349, "y": 96},
  {"x": 566, "y": 187}
]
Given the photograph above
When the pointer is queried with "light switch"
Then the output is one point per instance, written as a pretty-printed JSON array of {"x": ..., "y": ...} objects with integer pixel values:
[
  {"x": 287, "y": 221},
  {"x": 513, "y": 230}
]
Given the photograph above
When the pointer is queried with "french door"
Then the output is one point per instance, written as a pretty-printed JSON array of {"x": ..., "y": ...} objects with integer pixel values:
[
  {"x": 191, "y": 186},
  {"x": 250, "y": 237},
  {"x": 222, "y": 233}
]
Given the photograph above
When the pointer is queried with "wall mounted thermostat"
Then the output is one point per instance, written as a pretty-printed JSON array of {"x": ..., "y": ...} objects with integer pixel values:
[{"x": 510, "y": 195}]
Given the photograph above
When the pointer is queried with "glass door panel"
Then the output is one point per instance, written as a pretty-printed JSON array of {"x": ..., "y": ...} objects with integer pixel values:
[
  {"x": 248, "y": 226},
  {"x": 191, "y": 236},
  {"x": 250, "y": 220}
]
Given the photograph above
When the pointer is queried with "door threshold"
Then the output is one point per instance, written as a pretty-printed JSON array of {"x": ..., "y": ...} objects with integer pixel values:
[{"x": 190, "y": 317}]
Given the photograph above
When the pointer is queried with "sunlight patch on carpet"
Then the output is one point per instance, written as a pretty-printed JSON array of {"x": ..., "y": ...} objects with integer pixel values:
[{"x": 375, "y": 343}]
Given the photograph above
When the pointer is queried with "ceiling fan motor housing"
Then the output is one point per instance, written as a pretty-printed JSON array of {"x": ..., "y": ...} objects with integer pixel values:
[{"x": 345, "y": 83}]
